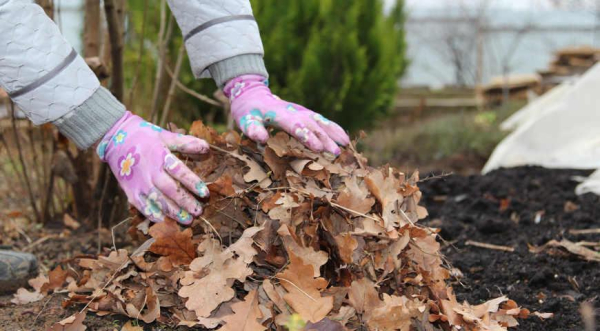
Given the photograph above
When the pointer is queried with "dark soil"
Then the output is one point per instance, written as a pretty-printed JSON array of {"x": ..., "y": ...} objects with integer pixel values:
[{"x": 500, "y": 208}]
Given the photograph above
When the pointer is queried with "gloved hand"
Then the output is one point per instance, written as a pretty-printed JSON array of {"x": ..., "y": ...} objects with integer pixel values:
[
  {"x": 139, "y": 154},
  {"x": 254, "y": 106}
]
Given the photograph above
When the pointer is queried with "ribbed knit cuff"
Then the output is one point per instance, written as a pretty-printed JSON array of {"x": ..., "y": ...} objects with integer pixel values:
[
  {"x": 228, "y": 69},
  {"x": 89, "y": 122}
]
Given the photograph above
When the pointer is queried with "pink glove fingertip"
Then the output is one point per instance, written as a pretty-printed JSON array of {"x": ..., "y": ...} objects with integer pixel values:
[{"x": 258, "y": 133}]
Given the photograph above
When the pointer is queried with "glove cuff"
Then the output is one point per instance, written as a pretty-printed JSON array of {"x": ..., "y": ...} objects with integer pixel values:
[
  {"x": 248, "y": 64},
  {"x": 90, "y": 121}
]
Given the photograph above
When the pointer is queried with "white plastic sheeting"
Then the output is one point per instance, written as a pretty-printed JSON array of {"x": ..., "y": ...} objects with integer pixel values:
[
  {"x": 537, "y": 107},
  {"x": 558, "y": 130}
]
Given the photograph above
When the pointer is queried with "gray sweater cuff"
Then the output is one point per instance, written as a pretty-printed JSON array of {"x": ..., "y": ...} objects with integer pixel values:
[
  {"x": 228, "y": 69},
  {"x": 90, "y": 121}
]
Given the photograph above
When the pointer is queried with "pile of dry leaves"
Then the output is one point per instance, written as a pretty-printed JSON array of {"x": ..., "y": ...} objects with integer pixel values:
[{"x": 289, "y": 237}]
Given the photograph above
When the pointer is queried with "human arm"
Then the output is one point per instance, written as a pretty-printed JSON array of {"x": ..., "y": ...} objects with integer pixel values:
[{"x": 223, "y": 42}]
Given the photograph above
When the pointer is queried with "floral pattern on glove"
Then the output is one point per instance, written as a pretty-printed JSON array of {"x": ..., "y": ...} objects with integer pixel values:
[
  {"x": 254, "y": 107},
  {"x": 152, "y": 126},
  {"x": 101, "y": 149},
  {"x": 302, "y": 134},
  {"x": 127, "y": 162},
  {"x": 153, "y": 205},
  {"x": 119, "y": 138},
  {"x": 237, "y": 90}
]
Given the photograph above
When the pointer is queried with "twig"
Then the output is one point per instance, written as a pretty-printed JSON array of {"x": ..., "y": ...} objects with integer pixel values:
[
  {"x": 191, "y": 92},
  {"x": 298, "y": 288},
  {"x": 20, "y": 231},
  {"x": 11, "y": 159},
  {"x": 112, "y": 231},
  {"x": 585, "y": 231},
  {"x": 353, "y": 211},
  {"x": 23, "y": 165},
  {"x": 171, "y": 93},
  {"x": 588, "y": 315},
  {"x": 432, "y": 177},
  {"x": 138, "y": 64},
  {"x": 115, "y": 35},
  {"x": 490, "y": 246},
  {"x": 106, "y": 285},
  {"x": 42, "y": 310},
  {"x": 163, "y": 39},
  {"x": 39, "y": 241},
  {"x": 212, "y": 228},
  {"x": 102, "y": 197}
]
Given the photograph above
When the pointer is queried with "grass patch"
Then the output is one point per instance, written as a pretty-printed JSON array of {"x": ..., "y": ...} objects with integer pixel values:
[{"x": 470, "y": 133}]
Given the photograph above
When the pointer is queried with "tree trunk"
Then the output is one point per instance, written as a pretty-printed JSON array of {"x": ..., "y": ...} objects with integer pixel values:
[
  {"x": 48, "y": 6},
  {"x": 84, "y": 161},
  {"x": 92, "y": 32},
  {"x": 115, "y": 34}
]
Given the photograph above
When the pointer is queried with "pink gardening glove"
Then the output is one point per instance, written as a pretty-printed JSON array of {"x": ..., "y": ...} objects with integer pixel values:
[
  {"x": 253, "y": 107},
  {"x": 139, "y": 154}
]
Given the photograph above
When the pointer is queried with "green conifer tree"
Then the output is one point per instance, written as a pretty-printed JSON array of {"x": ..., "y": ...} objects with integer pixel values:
[{"x": 342, "y": 58}]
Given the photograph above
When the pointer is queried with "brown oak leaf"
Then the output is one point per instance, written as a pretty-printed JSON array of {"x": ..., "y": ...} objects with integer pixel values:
[
  {"x": 354, "y": 196},
  {"x": 385, "y": 191},
  {"x": 222, "y": 186},
  {"x": 304, "y": 290},
  {"x": 130, "y": 327},
  {"x": 56, "y": 278},
  {"x": 210, "y": 281},
  {"x": 315, "y": 258},
  {"x": 23, "y": 297},
  {"x": 363, "y": 296},
  {"x": 346, "y": 246},
  {"x": 278, "y": 165},
  {"x": 396, "y": 313},
  {"x": 172, "y": 242},
  {"x": 71, "y": 323},
  {"x": 245, "y": 315}
]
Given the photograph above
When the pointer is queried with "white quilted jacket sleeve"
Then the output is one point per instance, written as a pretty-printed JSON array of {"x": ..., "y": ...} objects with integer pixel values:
[
  {"x": 216, "y": 30},
  {"x": 40, "y": 71}
]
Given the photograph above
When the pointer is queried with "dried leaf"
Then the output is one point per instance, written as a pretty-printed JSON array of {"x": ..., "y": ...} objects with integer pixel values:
[
  {"x": 152, "y": 304},
  {"x": 354, "y": 196},
  {"x": 543, "y": 316},
  {"x": 583, "y": 252},
  {"x": 385, "y": 191},
  {"x": 315, "y": 258},
  {"x": 172, "y": 242},
  {"x": 56, "y": 278},
  {"x": 38, "y": 282},
  {"x": 363, "y": 296},
  {"x": 256, "y": 172},
  {"x": 269, "y": 289},
  {"x": 213, "y": 274},
  {"x": 324, "y": 325},
  {"x": 70, "y": 222},
  {"x": 198, "y": 129},
  {"x": 130, "y": 327},
  {"x": 246, "y": 315},
  {"x": 304, "y": 290},
  {"x": 396, "y": 313},
  {"x": 278, "y": 165},
  {"x": 346, "y": 246},
  {"x": 23, "y": 297},
  {"x": 71, "y": 323}
]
